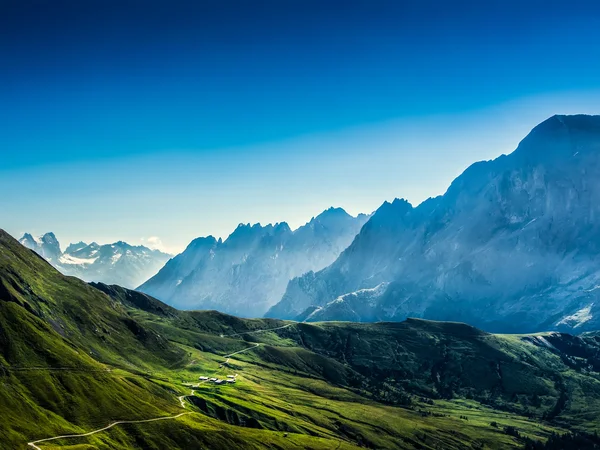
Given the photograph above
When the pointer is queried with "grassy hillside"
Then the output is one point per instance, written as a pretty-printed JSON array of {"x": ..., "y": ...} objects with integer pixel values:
[{"x": 76, "y": 357}]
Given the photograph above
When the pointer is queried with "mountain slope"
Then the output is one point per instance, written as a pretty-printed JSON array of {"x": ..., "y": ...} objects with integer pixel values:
[
  {"x": 73, "y": 359},
  {"x": 118, "y": 263},
  {"x": 431, "y": 367},
  {"x": 76, "y": 357},
  {"x": 510, "y": 246},
  {"x": 77, "y": 313},
  {"x": 60, "y": 344},
  {"x": 248, "y": 272}
]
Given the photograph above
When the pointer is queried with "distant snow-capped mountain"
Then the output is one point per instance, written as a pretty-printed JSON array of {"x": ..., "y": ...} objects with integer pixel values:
[
  {"x": 512, "y": 246},
  {"x": 249, "y": 271},
  {"x": 46, "y": 246},
  {"x": 118, "y": 263}
]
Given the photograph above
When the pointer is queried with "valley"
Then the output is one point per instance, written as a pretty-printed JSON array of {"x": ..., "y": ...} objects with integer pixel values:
[
  {"x": 112, "y": 367},
  {"x": 299, "y": 225}
]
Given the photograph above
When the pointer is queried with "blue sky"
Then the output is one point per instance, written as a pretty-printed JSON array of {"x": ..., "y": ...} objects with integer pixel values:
[{"x": 140, "y": 119}]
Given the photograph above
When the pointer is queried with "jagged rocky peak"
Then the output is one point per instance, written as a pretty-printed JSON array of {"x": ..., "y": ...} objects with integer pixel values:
[
  {"x": 245, "y": 229},
  {"x": 249, "y": 235},
  {"x": 205, "y": 241},
  {"x": 333, "y": 212},
  {"x": 96, "y": 262},
  {"x": 511, "y": 246},
  {"x": 28, "y": 241},
  {"x": 551, "y": 144},
  {"x": 72, "y": 248},
  {"x": 398, "y": 206},
  {"x": 560, "y": 137},
  {"x": 46, "y": 246},
  {"x": 281, "y": 227},
  {"x": 51, "y": 246},
  {"x": 389, "y": 213},
  {"x": 249, "y": 271},
  {"x": 331, "y": 220},
  {"x": 50, "y": 238}
]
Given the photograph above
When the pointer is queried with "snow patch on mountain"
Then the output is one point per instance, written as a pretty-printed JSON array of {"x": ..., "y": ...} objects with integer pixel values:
[
  {"x": 118, "y": 263},
  {"x": 69, "y": 259},
  {"x": 578, "y": 318},
  {"x": 510, "y": 247}
]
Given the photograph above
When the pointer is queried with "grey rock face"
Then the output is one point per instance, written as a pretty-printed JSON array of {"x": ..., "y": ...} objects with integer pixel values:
[
  {"x": 249, "y": 271},
  {"x": 46, "y": 246},
  {"x": 512, "y": 246}
]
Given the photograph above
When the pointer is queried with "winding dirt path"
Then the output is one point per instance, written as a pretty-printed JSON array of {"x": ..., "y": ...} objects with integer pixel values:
[
  {"x": 181, "y": 398},
  {"x": 66, "y": 436},
  {"x": 258, "y": 331},
  {"x": 227, "y": 357}
]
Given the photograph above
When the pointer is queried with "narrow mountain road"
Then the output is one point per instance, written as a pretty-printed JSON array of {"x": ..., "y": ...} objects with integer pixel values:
[
  {"x": 258, "y": 331},
  {"x": 181, "y": 398},
  {"x": 227, "y": 357},
  {"x": 34, "y": 445},
  {"x": 53, "y": 369}
]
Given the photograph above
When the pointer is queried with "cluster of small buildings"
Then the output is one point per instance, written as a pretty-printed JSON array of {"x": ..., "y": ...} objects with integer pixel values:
[{"x": 230, "y": 379}]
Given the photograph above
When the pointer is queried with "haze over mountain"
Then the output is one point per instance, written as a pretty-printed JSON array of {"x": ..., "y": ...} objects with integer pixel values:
[
  {"x": 249, "y": 271},
  {"x": 462, "y": 315},
  {"x": 118, "y": 263},
  {"x": 512, "y": 246},
  {"x": 77, "y": 357}
]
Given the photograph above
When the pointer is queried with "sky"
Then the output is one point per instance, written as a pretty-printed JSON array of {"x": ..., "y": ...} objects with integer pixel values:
[{"x": 156, "y": 122}]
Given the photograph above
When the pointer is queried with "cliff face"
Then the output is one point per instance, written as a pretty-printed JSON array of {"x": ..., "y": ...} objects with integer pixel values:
[
  {"x": 249, "y": 271},
  {"x": 511, "y": 246}
]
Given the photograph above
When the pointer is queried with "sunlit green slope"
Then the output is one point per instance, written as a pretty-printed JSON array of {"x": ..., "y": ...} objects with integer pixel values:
[{"x": 75, "y": 358}]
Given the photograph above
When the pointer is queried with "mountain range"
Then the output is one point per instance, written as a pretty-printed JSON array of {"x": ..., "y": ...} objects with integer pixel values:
[
  {"x": 512, "y": 246},
  {"x": 118, "y": 263},
  {"x": 248, "y": 272},
  {"x": 97, "y": 366}
]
